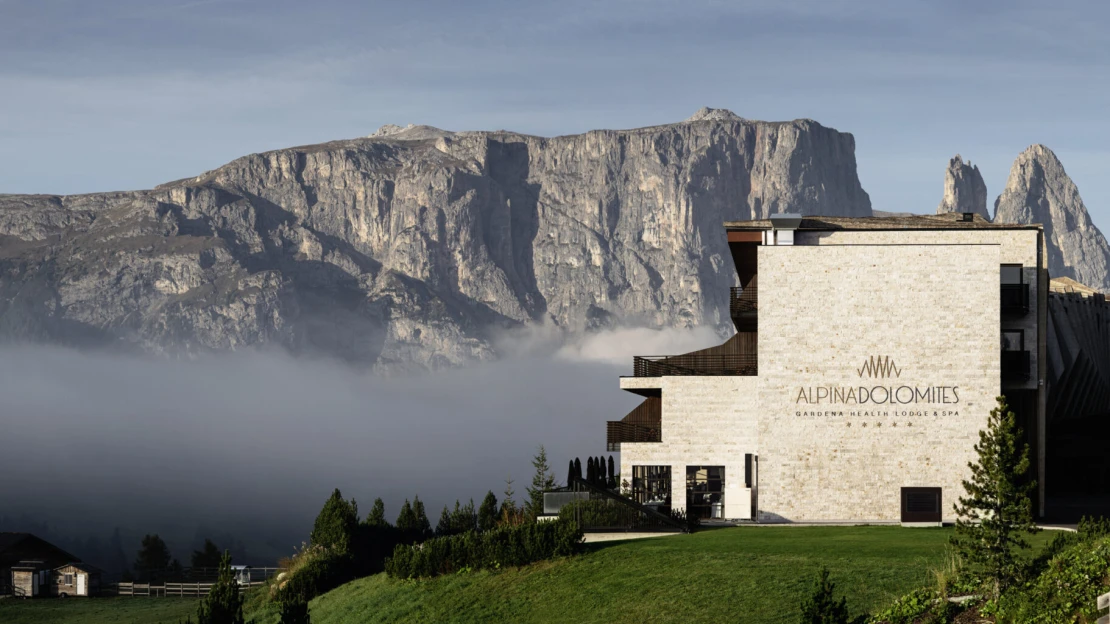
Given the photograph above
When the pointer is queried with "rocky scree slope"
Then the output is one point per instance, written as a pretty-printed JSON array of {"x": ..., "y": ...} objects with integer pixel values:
[{"x": 415, "y": 247}]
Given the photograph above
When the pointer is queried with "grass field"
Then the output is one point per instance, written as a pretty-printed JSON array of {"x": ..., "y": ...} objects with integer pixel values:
[
  {"x": 122, "y": 610},
  {"x": 750, "y": 575}
]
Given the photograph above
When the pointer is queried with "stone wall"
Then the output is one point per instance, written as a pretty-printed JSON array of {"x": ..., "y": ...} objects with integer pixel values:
[
  {"x": 933, "y": 310},
  {"x": 707, "y": 421}
]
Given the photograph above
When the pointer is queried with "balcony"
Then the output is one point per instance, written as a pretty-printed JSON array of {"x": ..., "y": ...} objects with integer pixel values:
[
  {"x": 1015, "y": 299},
  {"x": 1015, "y": 365},
  {"x": 743, "y": 306},
  {"x": 694, "y": 364},
  {"x": 642, "y": 424}
]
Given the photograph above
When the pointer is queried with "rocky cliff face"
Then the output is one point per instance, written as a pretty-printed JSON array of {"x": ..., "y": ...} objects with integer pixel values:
[
  {"x": 1040, "y": 191},
  {"x": 964, "y": 189},
  {"x": 415, "y": 246}
]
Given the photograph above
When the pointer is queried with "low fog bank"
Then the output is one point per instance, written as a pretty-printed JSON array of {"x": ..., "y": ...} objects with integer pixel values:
[{"x": 247, "y": 446}]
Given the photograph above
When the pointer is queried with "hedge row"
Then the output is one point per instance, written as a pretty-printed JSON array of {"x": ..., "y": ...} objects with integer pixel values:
[{"x": 503, "y": 546}]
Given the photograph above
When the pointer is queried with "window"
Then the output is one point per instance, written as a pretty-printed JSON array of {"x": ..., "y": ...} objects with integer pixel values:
[
  {"x": 1013, "y": 340},
  {"x": 1012, "y": 274},
  {"x": 651, "y": 485},
  {"x": 68, "y": 579},
  {"x": 705, "y": 491}
]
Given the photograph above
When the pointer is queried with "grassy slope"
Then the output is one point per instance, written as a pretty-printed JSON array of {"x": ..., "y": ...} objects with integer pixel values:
[
  {"x": 751, "y": 574},
  {"x": 122, "y": 610}
]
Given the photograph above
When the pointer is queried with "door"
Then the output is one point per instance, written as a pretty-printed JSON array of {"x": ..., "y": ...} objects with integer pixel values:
[{"x": 81, "y": 590}]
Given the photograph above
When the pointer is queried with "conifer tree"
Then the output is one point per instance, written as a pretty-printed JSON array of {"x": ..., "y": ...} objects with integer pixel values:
[
  {"x": 423, "y": 527},
  {"x": 508, "y": 505},
  {"x": 336, "y": 524},
  {"x": 591, "y": 471},
  {"x": 487, "y": 512},
  {"x": 207, "y": 557},
  {"x": 224, "y": 603},
  {"x": 444, "y": 525},
  {"x": 153, "y": 559},
  {"x": 376, "y": 517},
  {"x": 406, "y": 519},
  {"x": 570, "y": 473},
  {"x": 998, "y": 508},
  {"x": 542, "y": 480},
  {"x": 578, "y": 467},
  {"x": 821, "y": 606},
  {"x": 612, "y": 475}
]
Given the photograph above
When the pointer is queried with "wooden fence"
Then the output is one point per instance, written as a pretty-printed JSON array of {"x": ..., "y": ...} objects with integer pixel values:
[{"x": 194, "y": 590}]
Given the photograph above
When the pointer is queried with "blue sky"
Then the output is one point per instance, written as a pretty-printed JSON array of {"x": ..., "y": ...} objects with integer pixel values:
[{"x": 124, "y": 94}]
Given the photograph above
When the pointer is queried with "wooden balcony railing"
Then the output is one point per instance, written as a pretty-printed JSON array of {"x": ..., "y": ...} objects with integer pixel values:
[
  {"x": 743, "y": 300},
  {"x": 694, "y": 364}
]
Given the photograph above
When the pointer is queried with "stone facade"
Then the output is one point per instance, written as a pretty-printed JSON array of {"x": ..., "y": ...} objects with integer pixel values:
[{"x": 912, "y": 317}]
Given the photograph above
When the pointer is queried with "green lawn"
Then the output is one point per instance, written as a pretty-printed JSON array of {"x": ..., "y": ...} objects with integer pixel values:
[
  {"x": 750, "y": 574},
  {"x": 122, "y": 610}
]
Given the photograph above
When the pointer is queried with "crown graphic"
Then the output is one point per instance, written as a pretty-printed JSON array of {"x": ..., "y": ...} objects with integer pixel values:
[{"x": 880, "y": 366}]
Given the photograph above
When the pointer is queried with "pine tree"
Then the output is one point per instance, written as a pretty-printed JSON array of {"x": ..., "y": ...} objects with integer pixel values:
[
  {"x": 612, "y": 475},
  {"x": 998, "y": 507},
  {"x": 406, "y": 520},
  {"x": 444, "y": 525},
  {"x": 821, "y": 606},
  {"x": 153, "y": 558},
  {"x": 376, "y": 517},
  {"x": 336, "y": 524},
  {"x": 578, "y": 468},
  {"x": 423, "y": 527},
  {"x": 224, "y": 603},
  {"x": 508, "y": 505},
  {"x": 591, "y": 471},
  {"x": 570, "y": 473},
  {"x": 542, "y": 480},
  {"x": 207, "y": 557},
  {"x": 487, "y": 512}
]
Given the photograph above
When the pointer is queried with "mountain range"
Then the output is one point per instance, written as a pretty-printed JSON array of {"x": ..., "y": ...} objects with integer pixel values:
[{"x": 417, "y": 248}]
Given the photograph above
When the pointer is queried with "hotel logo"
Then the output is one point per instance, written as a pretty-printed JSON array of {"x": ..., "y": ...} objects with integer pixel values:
[{"x": 880, "y": 366}]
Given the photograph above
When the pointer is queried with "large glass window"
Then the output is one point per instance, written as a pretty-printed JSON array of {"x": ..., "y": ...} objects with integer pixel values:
[
  {"x": 705, "y": 491},
  {"x": 651, "y": 485}
]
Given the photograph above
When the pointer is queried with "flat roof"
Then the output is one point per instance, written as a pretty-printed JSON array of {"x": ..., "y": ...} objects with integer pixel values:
[{"x": 948, "y": 221}]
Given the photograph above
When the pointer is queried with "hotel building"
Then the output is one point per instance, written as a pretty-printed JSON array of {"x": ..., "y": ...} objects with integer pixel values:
[{"x": 868, "y": 354}]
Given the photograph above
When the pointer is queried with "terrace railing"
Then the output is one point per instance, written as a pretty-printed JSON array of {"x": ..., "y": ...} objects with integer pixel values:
[
  {"x": 605, "y": 510},
  {"x": 617, "y": 431},
  {"x": 742, "y": 300},
  {"x": 694, "y": 364}
]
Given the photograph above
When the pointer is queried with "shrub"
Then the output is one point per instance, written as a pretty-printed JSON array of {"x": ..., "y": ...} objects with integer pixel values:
[
  {"x": 504, "y": 546},
  {"x": 294, "y": 611},
  {"x": 920, "y": 605},
  {"x": 311, "y": 572},
  {"x": 224, "y": 603},
  {"x": 1066, "y": 591},
  {"x": 821, "y": 606}
]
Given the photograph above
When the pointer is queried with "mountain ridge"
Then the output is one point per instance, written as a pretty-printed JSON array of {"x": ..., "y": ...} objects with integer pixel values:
[{"x": 403, "y": 253}]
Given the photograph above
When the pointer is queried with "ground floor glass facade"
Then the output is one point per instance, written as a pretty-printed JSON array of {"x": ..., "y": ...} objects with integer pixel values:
[{"x": 705, "y": 491}]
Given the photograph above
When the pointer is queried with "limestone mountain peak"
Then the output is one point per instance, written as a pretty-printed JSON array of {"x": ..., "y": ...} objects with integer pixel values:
[
  {"x": 964, "y": 189},
  {"x": 1039, "y": 190}
]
